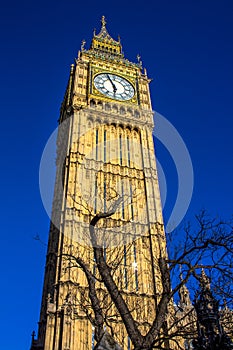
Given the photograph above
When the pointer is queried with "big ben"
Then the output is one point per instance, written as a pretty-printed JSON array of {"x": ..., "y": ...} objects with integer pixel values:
[{"x": 106, "y": 166}]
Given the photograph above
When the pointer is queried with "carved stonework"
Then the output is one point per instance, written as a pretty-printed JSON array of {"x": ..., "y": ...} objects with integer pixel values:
[{"x": 211, "y": 335}]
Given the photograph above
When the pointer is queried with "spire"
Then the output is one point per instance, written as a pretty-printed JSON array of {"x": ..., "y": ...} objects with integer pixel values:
[
  {"x": 104, "y": 42},
  {"x": 103, "y": 32}
]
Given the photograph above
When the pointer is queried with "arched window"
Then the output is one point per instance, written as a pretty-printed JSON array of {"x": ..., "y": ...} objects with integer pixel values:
[
  {"x": 135, "y": 266},
  {"x": 128, "y": 150},
  {"x": 129, "y": 111},
  {"x": 92, "y": 103},
  {"x": 96, "y": 143},
  {"x": 122, "y": 110},
  {"x": 120, "y": 147},
  {"x": 114, "y": 109},
  {"x": 105, "y": 137},
  {"x": 136, "y": 114},
  {"x": 125, "y": 267},
  {"x": 107, "y": 107},
  {"x": 99, "y": 105}
]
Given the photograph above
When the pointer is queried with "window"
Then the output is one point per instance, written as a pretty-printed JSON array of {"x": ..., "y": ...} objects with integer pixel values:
[
  {"x": 131, "y": 200},
  {"x": 125, "y": 268},
  {"x": 105, "y": 193},
  {"x": 107, "y": 107},
  {"x": 95, "y": 201},
  {"x": 96, "y": 144},
  {"x": 105, "y": 133},
  {"x": 122, "y": 110},
  {"x": 122, "y": 205},
  {"x": 128, "y": 150},
  {"x": 92, "y": 103},
  {"x": 135, "y": 265},
  {"x": 136, "y": 114},
  {"x": 120, "y": 149}
]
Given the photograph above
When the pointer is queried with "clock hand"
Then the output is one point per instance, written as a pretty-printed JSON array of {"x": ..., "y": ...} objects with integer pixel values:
[{"x": 113, "y": 85}]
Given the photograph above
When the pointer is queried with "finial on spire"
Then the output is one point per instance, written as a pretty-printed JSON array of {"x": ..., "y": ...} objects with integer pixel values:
[
  {"x": 139, "y": 60},
  {"x": 83, "y": 45},
  {"x": 103, "y": 21}
]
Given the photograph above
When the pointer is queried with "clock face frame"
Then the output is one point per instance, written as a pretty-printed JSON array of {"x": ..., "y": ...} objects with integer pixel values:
[{"x": 114, "y": 86}]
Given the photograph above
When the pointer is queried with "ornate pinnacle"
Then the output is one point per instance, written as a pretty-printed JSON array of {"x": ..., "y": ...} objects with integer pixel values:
[{"x": 205, "y": 281}]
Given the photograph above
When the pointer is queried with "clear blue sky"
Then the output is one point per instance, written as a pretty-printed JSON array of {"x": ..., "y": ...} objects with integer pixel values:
[{"x": 186, "y": 47}]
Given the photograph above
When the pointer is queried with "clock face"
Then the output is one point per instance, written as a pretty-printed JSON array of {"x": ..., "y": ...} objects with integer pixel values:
[{"x": 114, "y": 86}]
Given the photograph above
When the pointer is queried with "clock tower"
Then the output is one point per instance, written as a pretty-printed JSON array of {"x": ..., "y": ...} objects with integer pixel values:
[{"x": 105, "y": 160}]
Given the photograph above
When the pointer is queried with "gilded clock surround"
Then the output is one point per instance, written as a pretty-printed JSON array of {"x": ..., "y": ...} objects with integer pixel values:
[{"x": 113, "y": 86}]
